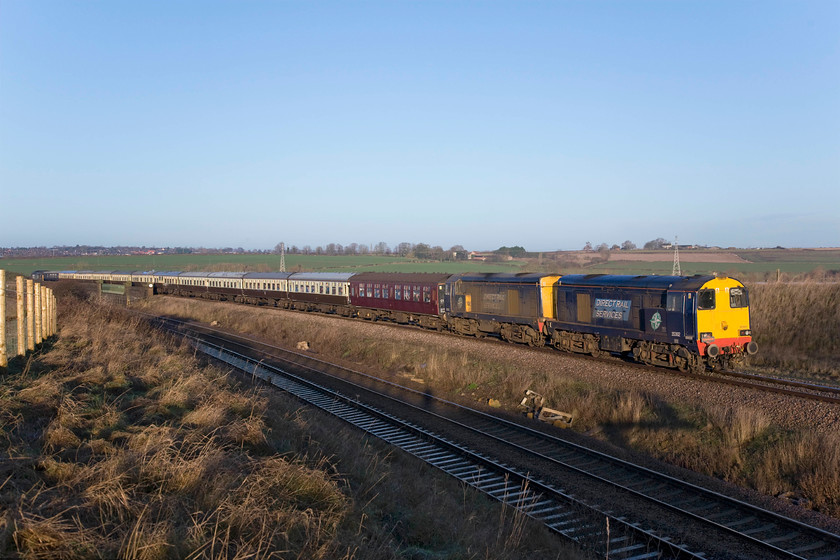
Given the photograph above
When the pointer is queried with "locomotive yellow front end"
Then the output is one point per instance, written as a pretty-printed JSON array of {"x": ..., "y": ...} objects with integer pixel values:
[{"x": 723, "y": 322}]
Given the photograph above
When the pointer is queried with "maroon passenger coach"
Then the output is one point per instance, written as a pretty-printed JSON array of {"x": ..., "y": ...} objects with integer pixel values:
[{"x": 404, "y": 298}]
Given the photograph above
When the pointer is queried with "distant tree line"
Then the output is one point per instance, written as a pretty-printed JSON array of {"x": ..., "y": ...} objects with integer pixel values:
[
  {"x": 421, "y": 251},
  {"x": 652, "y": 245}
]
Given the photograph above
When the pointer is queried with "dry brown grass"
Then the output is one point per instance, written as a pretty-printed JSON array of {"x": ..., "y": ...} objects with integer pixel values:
[
  {"x": 119, "y": 443},
  {"x": 796, "y": 326},
  {"x": 739, "y": 445}
]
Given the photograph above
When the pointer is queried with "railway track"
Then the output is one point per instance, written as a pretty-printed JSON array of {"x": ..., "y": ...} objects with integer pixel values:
[
  {"x": 808, "y": 391},
  {"x": 462, "y": 435},
  {"x": 811, "y": 391}
]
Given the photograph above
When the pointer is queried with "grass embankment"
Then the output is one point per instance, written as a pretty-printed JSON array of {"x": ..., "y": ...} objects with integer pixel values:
[
  {"x": 117, "y": 442},
  {"x": 797, "y": 327},
  {"x": 740, "y": 445}
]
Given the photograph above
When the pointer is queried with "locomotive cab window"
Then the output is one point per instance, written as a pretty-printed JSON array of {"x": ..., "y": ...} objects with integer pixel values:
[
  {"x": 706, "y": 299},
  {"x": 738, "y": 298}
]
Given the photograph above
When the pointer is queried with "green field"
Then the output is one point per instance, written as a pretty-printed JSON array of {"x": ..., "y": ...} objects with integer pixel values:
[
  {"x": 764, "y": 264},
  {"x": 254, "y": 263}
]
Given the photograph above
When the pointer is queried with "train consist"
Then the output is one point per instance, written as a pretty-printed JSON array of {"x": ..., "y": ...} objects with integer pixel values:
[{"x": 684, "y": 322}]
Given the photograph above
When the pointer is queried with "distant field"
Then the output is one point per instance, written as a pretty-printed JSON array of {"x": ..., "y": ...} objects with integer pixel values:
[
  {"x": 755, "y": 264},
  {"x": 254, "y": 263},
  {"x": 743, "y": 264},
  {"x": 685, "y": 256}
]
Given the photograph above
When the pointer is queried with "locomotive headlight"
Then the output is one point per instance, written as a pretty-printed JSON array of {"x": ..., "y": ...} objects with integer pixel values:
[
  {"x": 704, "y": 336},
  {"x": 746, "y": 332}
]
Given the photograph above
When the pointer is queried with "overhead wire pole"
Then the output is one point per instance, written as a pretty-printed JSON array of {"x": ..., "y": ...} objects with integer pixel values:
[
  {"x": 282, "y": 257},
  {"x": 676, "y": 271}
]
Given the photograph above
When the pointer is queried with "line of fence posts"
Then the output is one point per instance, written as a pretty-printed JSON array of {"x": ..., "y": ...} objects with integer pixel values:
[{"x": 37, "y": 316}]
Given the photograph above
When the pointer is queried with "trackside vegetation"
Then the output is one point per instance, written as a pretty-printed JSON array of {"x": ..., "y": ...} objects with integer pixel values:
[
  {"x": 118, "y": 442},
  {"x": 796, "y": 326},
  {"x": 738, "y": 445}
]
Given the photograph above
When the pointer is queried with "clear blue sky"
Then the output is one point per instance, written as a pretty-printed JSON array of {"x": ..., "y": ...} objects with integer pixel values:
[{"x": 541, "y": 124}]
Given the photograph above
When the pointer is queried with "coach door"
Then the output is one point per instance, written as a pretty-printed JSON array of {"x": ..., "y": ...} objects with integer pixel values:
[{"x": 675, "y": 311}]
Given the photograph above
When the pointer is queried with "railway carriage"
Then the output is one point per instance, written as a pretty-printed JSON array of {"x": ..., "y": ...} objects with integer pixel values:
[
  {"x": 408, "y": 298},
  {"x": 513, "y": 306},
  {"x": 45, "y": 275},
  {"x": 266, "y": 288},
  {"x": 119, "y": 276},
  {"x": 165, "y": 279},
  {"x": 197, "y": 281},
  {"x": 145, "y": 277},
  {"x": 327, "y": 292}
]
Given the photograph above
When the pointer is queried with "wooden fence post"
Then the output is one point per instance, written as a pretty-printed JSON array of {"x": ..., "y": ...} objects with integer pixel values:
[
  {"x": 4, "y": 359},
  {"x": 21, "y": 319},
  {"x": 53, "y": 330},
  {"x": 37, "y": 310},
  {"x": 30, "y": 315},
  {"x": 48, "y": 330},
  {"x": 44, "y": 320}
]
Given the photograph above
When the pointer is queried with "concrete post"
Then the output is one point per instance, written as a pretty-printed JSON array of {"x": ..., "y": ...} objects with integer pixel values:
[
  {"x": 21, "y": 319},
  {"x": 30, "y": 315}
]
